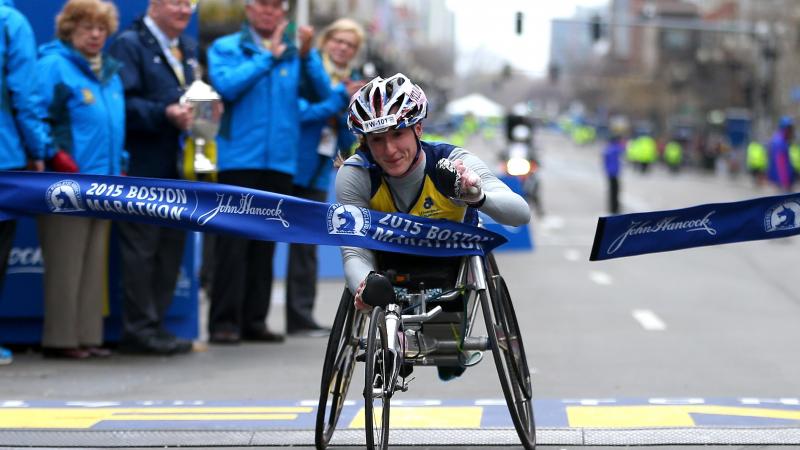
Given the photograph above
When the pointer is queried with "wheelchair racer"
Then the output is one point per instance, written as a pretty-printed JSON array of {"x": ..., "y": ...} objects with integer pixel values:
[{"x": 394, "y": 171}]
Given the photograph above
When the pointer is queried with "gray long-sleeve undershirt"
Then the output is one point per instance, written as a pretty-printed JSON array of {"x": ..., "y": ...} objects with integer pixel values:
[{"x": 353, "y": 188}]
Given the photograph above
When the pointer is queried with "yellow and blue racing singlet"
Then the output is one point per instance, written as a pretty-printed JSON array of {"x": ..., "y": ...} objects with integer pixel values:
[{"x": 430, "y": 201}]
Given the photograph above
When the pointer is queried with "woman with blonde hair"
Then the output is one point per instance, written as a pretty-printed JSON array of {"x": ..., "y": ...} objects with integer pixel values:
[
  {"x": 83, "y": 96},
  {"x": 323, "y": 135}
]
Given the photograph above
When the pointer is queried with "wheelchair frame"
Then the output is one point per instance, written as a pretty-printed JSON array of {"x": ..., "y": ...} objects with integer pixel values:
[{"x": 388, "y": 341}]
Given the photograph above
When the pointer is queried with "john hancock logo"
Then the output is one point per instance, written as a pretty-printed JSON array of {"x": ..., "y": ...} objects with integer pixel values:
[
  {"x": 64, "y": 196},
  {"x": 226, "y": 204},
  {"x": 348, "y": 219},
  {"x": 783, "y": 216}
]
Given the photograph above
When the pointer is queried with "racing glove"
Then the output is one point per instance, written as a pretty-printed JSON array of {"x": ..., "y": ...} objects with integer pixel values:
[
  {"x": 459, "y": 182},
  {"x": 375, "y": 290},
  {"x": 63, "y": 162}
]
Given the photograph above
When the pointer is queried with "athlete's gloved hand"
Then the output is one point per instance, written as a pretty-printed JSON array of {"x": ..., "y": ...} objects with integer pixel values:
[
  {"x": 359, "y": 302},
  {"x": 375, "y": 290},
  {"x": 458, "y": 181},
  {"x": 63, "y": 162}
]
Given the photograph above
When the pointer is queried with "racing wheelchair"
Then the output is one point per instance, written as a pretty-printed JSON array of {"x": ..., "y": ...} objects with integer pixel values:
[{"x": 421, "y": 318}]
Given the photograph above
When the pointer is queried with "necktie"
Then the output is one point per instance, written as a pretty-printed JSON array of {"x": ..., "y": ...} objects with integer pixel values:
[{"x": 178, "y": 68}]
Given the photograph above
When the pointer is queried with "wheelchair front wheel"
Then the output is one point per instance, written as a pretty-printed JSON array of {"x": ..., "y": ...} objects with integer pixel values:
[
  {"x": 509, "y": 357},
  {"x": 337, "y": 369},
  {"x": 377, "y": 390}
]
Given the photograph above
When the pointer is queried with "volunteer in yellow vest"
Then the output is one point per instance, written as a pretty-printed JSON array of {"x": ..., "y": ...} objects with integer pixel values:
[
  {"x": 757, "y": 161},
  {"x": 673, "y": 155},
  {"x": 649, "y": 151},
  {"x": 394, "y": 171},
  {"x": 794, "y": 157}
]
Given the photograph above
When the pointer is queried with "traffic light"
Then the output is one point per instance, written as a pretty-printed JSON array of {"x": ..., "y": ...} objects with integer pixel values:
[
  {"x": 596, "y": 28},
  {"x": 518, "y": 22},
  {"x": 519, "y": 129}
]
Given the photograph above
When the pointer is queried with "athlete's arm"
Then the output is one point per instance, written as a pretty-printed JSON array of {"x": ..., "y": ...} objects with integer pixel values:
[
  {"x": 501, "y": 204},
  {"x": 353, "y": 188}
]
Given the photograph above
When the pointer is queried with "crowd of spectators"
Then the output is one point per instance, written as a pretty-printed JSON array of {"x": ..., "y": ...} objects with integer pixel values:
[{"x": 117, "y": 112}]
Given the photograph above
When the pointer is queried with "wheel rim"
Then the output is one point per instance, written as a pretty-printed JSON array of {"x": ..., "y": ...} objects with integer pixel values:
[
  {"x": 337, "y": 369},
  {"x": 509, "y": 338},
  {"x": 510, "y": 360},
  {"x": 376, "y": 376}
]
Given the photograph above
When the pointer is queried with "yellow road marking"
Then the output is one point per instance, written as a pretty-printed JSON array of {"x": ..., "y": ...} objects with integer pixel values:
[
  {"x": 88, "y": 417},
  {"x": 662, "y": 416},
  {"x": 428, "y": 417}
]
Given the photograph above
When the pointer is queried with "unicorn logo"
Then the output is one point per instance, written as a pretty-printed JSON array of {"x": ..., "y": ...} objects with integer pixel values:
[
  {"x": 64, "y": 196},
  {"x": 783, "y": 216},
  {"x": 348, "y": 219}
]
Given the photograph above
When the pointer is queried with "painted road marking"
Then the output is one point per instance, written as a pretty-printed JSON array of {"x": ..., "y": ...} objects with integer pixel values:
[
  {"x": 600, "y": 278},
  {"x": 443, "y": 416},
  {"x": 649, "y": 320},
  {"x": 663, "y": 416},
  {"x": 87, "y": 417},
  {"x": 777, "y": 412}
]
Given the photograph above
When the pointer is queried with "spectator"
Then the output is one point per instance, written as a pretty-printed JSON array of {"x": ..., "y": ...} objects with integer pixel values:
[
  {"x": 158, "y": 64},
  {"x": 779, "y": 166},
  {"x": 82, "y": 94},
  {"x": 323, "y": 130},
  {"x": 21, "y": 130},
  {"x": 611, "y": 161},
  {"x": 257, "y": 72}
]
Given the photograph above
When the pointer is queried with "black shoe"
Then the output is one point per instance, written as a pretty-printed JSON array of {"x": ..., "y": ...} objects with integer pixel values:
[
  {"x": 182, "y": 346},
  {"x": 224, "y": 337},
  {"x": 263, "y": 336},
  {"x": 154, "y": 345}
]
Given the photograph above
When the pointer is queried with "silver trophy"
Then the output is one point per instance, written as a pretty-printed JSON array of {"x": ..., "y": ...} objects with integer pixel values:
[{"x": 207, "y": 110}]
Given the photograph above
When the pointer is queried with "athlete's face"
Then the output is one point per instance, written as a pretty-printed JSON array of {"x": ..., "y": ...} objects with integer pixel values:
[{"x": 394, "y": 150}]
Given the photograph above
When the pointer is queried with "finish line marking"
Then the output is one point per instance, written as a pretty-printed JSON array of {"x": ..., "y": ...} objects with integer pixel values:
[{"x": 599, "y": 413}]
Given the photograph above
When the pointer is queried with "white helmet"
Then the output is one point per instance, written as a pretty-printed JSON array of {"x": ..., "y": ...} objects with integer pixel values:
[{"x": 384, "y": 104}]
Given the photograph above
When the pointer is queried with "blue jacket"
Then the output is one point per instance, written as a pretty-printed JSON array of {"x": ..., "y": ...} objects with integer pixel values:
[
  {"x": 86, "y": 113},
  {"x": 779, "y": 168},
  {"x": 20, "y": 124},
  {"x": 314, "y": 170},
  {"x": 260, "y": 127},
  {"x": 611, "y": 157},
  {"x": 150, "y": 85}
]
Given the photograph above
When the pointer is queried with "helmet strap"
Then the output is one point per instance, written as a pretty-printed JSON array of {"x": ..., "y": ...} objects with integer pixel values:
[{"x": 416, "y": 155}]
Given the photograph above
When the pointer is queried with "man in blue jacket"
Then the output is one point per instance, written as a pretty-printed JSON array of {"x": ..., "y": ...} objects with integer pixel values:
[
  {"x": 21, "y": 130},
  {"x": 258, "y": 73},
  {"x": 157, "y": 65}
]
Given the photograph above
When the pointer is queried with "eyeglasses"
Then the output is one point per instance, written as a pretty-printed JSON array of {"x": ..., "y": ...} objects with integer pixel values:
[
  {"x": 346, "y": 43},
  {"x": 181, "y": 4},
  {"x": 92, "y": 26}
]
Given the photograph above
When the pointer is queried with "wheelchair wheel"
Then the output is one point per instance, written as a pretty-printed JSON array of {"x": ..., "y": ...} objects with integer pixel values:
[
  {"x": 337, "y": 369},
  {"x": 509, "y": 357},
  {"x": 376, "y": 378}
]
